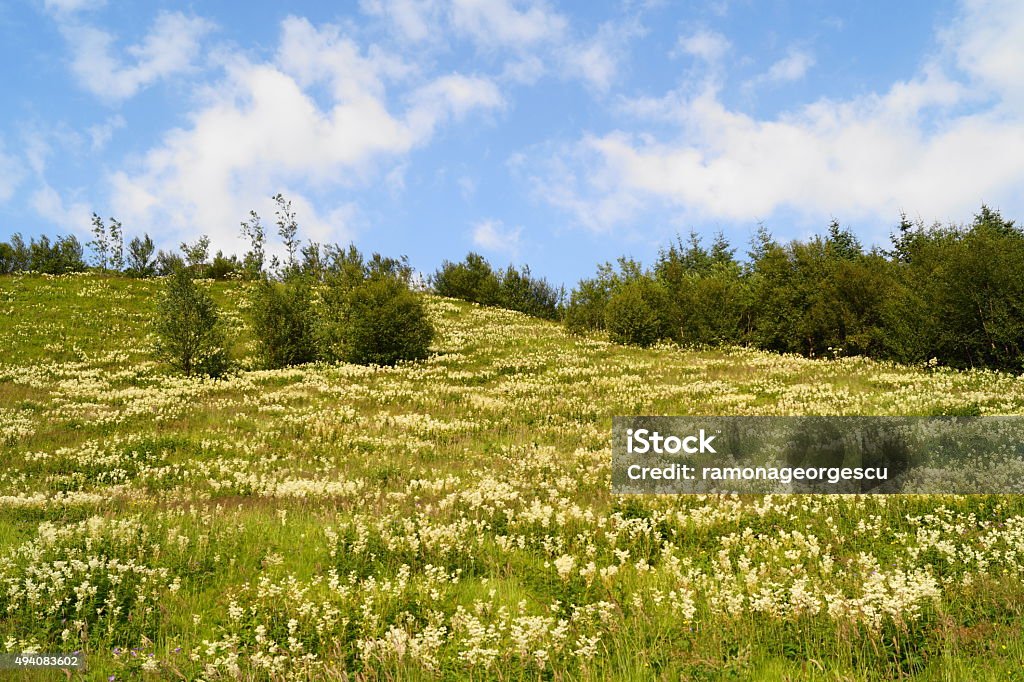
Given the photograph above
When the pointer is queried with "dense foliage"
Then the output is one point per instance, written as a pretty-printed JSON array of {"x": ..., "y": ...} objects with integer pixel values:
[
  {"x": 476, "y": 281},
  {"x": 189, "y": 334},
  {"x": 283, "y": 320},
  {"x": 954, "y": 294}
]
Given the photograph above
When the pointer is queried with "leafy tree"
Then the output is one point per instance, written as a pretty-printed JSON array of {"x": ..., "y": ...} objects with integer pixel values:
[
  {"x": 519, "y": 290},
  {"x": 140, "y": 257},
  {"x": 64, "y": 254},
  {"x": 116, "y": 240},
  {"x": 223, "y": 267},
  {"x": 288, "y": 228},
  {"x": 369, "y": 315},
  {"x": 196, "y": 254},
  {"x": 587, "y": 302},
  {"x": 167, "y": 263},
  {"x": 20, "y": 254},
  {"x": 384, "y": 323},
  {"x": 639, "y": 313},
  {"x": 471, "y": 280},
  {"x": 100, "y": 243},
  {"x": 252, "y": 262},
  {"x": 283, "y": 322},
  {"x": 7, "y": 259},
  {"x": 189, "y": 333}
]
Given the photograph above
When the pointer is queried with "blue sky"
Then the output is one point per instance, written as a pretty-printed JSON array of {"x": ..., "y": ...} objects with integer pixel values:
[{"x": 554, "y": 134}]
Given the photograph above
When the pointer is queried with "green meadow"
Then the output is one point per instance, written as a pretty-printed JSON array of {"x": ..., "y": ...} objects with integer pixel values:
[{"x": 452, "y": 519}]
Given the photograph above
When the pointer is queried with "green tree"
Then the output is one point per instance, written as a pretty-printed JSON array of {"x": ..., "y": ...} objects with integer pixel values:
[
  {"x": 471, "y": 280},
  {"x": 100, "y": 243},
  {"x": 639, "y": 313},
  {"x": 252, "y": 262},
  {"x": 196, "y": 254},
  {"x": 116, "y": 239},
  {"x": 283, "y": 322},
  {"x": 519, "y": 290},
  {"x": 288, "y": 228},
  {"x": 140, "y": 257},
  {"x": 189, "y": 333},
  {"x": 588, "y": 301}
]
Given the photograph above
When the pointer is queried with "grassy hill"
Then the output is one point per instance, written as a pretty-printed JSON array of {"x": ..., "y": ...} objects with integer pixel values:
[{"x": 453, "y": 518}]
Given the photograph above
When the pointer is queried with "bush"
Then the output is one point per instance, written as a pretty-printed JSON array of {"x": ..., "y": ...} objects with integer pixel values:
[
  {"x": 471, "y": 280},
  {"x": 190, "y": 336},
  {"x": 639, "y": 313},
  {"x": 377, "y": 321},
  {"x": 223, "y": 267},
  {"x": 587, "y": 305},
  {"x": 589, "y": 300},
  {"x": 283, "y": 322},
  {"x": 62, "y": 255},
  {"x": 519, "y": 290}
]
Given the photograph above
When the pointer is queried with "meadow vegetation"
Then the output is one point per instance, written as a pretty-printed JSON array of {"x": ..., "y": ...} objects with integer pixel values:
[{"x": 452, "y": 518}]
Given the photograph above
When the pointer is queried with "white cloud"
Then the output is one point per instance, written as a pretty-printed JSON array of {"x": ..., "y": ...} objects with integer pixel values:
[
  {"x": 48, "y": 203},
  {"x": 597, "y": 60},
  {"x": 100, "y": 134},
  {"x": 704, "y": 44},
  {"x": 414, "y": 20},
  {"x": 507, "y": 23},
  {"x": 792, "y": 67},
  {"x": 986, "y": 41},
  {"x": 935, "y": 144},
  {"x": 491, "y": 235},
  {"x": 68, "y": 7},
  {"x": 170, "y": 47},
  {"x": 11, "y": 174},
  {"x": 262, "y": 129}
]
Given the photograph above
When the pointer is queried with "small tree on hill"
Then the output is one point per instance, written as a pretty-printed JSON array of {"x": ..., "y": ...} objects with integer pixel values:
[
  {"x": 283, "y": 322},
  {"x": 140, "y": 257},
  {"x": 385, "y": 322},
  {"x": 100, "y": 243},
  {"x": 189, "y": 334}
]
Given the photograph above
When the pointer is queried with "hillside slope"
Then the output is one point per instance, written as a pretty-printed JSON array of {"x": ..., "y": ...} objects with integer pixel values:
[{"x": 453, "y": 517}]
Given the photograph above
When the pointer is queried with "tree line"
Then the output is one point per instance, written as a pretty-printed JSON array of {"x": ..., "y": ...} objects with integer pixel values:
[{"x": 950, "y": 294}]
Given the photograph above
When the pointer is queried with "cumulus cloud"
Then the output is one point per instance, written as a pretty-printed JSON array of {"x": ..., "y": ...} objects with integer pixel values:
[
  {"x": 263, "y": 128},
  {"x": 985, "y": 41},
  {"x": 100, "y": 134},
  {"x": 49, "y": 204},
  {"x": 491, "y": 235},
  {"x": 171, "y": 46},
  {"x": 532, "y": 38},
  {"x": 597, "y": 60},
  {"x": 504, "y": 23},
  {"x": 704, "y": 44},
  {"x": 11, "y": 173},
  {"x": 937, "y": 143},
  {"x": 792, "y": 67},
  {"x": 68, "y": 7},
  {"x": 413, "y": 20}
]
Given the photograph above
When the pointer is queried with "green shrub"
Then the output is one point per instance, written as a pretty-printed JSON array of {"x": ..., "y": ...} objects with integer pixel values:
[
  {"x": 521, "y": 291},
  {"x": 639, "y": 313},
  {"x": 189, "y": 334},
  {"x": 589, "y": 300},
  {"x": 586, "y": 308},
  {"x": 283, "y": 323},
  {"x": 378, "y": 321},
  {"x": 471, "y": 280}
]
